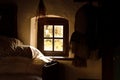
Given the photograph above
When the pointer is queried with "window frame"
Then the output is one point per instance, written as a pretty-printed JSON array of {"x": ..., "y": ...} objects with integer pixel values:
[{"x": 40, "y": 35}]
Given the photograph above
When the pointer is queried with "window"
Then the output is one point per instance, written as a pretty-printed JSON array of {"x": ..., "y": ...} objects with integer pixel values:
[{"x": 53, "y": 34}]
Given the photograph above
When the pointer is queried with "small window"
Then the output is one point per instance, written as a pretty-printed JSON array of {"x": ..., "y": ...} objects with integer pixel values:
[{"x": 53, "y": 34}]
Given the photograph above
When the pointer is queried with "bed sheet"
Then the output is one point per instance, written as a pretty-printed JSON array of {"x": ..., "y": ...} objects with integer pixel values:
[{"x": 20, "y": 65}]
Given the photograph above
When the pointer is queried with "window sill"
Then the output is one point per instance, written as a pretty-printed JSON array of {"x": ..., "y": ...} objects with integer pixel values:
[{"x": 59, "y": 57}]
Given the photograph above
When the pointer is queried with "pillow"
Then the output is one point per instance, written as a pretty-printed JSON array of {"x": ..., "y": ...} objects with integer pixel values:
[
  {"x": 8, "y": 45},
  {"x": 22, "y": 51},
  {"x": 27, "y": 51},
  {"x": 14, "y": 47},
  {"x": 31, "y": 52}
]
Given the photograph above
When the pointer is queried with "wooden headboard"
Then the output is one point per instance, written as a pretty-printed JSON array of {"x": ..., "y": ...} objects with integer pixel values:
[{"x": 8, "y": 20}]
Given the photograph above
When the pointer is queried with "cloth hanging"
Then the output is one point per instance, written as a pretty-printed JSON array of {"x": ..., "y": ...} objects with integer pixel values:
[
  {"x": 91, "y": 13},
  {"x": 76, "y": 36},
  {"x": 78, "y": 42},
  {"x": 86, "y": 22},
  {"x": 85, "y": 40},
  {"x": 79, "y": 48}
]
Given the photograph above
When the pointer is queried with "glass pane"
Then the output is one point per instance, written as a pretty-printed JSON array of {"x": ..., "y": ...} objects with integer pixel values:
[
  {"x": 58, "y": 31},
  {"x": 58, "y": 44},
  {"x": 48, "y": 30},
  {"x": 48, "y": 45}
]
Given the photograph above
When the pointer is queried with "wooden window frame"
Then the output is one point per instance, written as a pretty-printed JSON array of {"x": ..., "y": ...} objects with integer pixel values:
[{"x": 53, "y": 21}]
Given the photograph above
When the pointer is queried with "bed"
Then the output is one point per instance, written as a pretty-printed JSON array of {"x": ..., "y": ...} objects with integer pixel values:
[{"x": 17, "y": 61}]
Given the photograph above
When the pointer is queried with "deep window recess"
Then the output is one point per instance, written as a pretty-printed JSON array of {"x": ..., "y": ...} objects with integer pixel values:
[{"x": 53, "y": 34}]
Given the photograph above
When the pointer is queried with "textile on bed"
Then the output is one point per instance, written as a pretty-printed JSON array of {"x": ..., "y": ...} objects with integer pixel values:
[
  {"x": 15, "y": 47},
  {"x": 8, "y": 45},
  {"x": 21, "y": 65},
  {"x": 17, "y": 58}
]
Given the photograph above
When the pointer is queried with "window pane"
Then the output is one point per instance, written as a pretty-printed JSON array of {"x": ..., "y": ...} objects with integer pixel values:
[
  {"x": 48, "y": 30},
  {"x": 48, "y": 45},
  {"x": 58, "y": 44},
  {"x": 58, "y": 31}
]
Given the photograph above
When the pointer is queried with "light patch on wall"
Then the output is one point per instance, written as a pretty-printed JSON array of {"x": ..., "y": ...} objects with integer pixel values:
[{"x": 33, "y": 32}]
